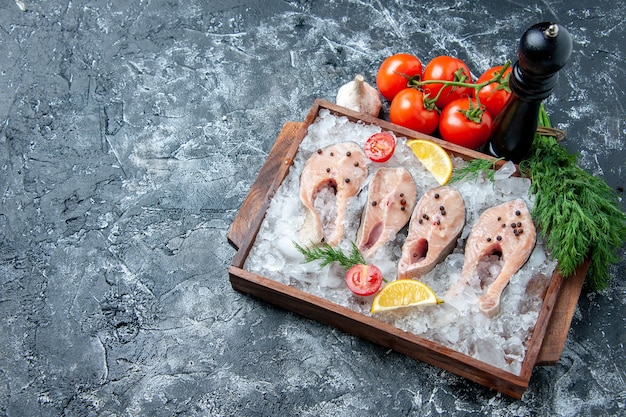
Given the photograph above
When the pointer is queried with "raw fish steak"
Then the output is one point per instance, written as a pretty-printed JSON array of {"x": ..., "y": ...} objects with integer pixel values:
[
  {"x": 330, "y": 177},
  {"x": 435, "y": 225},
  {"x": 504, "y": 234},
  {"x": 391, "y": 197}
]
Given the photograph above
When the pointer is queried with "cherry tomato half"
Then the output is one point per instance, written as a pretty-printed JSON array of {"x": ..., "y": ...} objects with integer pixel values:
[
  {"x": 364, "y": 280},
  {"x": 380, "y": 146},
  {"x": 455, "y": 127},
  {"x": 394, "y": 74},
  {"x": 494, "y": 95},
  {"x": 407, "y": 109},
  {"x": 447, "y": 68}
]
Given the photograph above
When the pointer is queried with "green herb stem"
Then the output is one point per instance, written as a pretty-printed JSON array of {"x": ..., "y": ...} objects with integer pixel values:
[
  {"x": 328, "y": 254},
  {"x": 472, "y": 169}
]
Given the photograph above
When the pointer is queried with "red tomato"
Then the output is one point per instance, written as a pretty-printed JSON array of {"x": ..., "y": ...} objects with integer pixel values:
[
  {"x": 380, "y": 146},
  {"x": 394, "y": 74},
  {"x": 456, "y": 127},
  {"x": 407, "y": 109},
  {"x": 364, "y": 280},
  {"x": 447, "y": 68},
  {"x": 494, "y": 95}
]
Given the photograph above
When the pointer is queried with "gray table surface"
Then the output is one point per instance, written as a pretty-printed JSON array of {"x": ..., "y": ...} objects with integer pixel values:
[{"x": 130, "y": 133}]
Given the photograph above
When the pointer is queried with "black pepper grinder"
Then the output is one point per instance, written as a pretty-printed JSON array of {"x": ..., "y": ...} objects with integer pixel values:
[{"x": 543, "y": 50}]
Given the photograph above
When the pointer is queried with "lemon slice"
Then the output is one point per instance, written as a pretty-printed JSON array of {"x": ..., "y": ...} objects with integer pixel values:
[
  {"x": 434, "y": 157},
  {"x": 404, "y": 293}
]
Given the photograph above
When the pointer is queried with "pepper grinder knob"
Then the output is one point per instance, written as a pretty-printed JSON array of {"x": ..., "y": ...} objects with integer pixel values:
[{"x": 543, "y": 50}]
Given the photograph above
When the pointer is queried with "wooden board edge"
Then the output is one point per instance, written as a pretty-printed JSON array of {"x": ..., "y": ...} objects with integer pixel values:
[
  {"x": 262, "y": 188},
  {"x": 538, "y": 333},
  {"x": 378, "y": 332},
  {"x": 561, "y": 319}
]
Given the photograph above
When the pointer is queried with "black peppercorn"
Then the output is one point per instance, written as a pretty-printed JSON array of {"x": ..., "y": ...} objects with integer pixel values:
[
  {"x": 319, "y": 151},
  {"x": 498, "y": 238},
  {"x": 436, "y": 195},
  {"x": 348, "y": 153},
  {"x": 403, "y": 202},
  {"x": 519, "y": 224},
  {"x": 327, "y": 169},
  {"x": 374, "y": 203},
  {"x": 347, "y": 180},
  {"x": 518, "y": 213},
  {"x": 488, "y": 239},
  {"x": 356, "y": 164}
]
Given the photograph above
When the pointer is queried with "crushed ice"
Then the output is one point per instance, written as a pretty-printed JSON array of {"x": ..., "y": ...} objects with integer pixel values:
[{"x": 500, "y": 341}]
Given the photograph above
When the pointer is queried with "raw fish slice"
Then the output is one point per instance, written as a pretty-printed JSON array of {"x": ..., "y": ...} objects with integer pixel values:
[
  {"x": 391, "y": 197},
  {"x": 436, "y": 224},
  {"x": 508, "y": 232},
  {"x": 337, "y": 173}
]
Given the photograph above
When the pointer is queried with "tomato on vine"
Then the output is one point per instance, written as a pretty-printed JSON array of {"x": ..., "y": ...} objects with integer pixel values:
[
  {"x": 495, "y": 95},
  {"x": 447, "y": 68},
  {"x": 395, "y": 73},
  {"x": 464, "y": 123},
  {"x": 411, "y": 109}
]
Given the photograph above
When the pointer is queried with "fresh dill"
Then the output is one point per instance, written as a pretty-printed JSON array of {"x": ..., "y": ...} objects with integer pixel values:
[
  {"x": 578, "y": 214},
  {"x": 327, "y": 254},
  {"x": 472, "y": 169}
]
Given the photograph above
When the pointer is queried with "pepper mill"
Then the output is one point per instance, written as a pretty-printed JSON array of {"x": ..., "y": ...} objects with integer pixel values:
[{"x": 543, "y": 50}]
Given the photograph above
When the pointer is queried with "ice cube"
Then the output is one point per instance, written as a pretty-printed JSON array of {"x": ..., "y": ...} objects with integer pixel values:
[
  {"x": 288, "y": 249},
  {"x": 505, "y": 171}
]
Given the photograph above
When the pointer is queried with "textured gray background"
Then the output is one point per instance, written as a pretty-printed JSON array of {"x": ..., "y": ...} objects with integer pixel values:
[{"x": 130, "y": 133}]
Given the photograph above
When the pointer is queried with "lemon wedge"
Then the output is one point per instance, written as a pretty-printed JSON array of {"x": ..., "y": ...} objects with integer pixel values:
[
  {"x": 434, "y": 157},
  {"x": 404, "y": 293}
]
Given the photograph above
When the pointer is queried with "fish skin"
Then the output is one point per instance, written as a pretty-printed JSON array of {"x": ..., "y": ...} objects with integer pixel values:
[
  {"x": 343, "y": 167},
  {"x": 392, "y": 195},
  {"x": 515, "y": 249},
  {"x": 429, "y": 241}
]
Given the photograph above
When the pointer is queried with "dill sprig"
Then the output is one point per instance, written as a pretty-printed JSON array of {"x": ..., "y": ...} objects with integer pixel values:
[
  {"x": 327, "y": 254},
  {"x": 578, "y": 214},
  {"x": 472, "y": 169}
]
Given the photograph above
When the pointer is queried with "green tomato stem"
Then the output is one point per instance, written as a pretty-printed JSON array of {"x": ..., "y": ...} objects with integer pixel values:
[{"x": 474, "y": 114}]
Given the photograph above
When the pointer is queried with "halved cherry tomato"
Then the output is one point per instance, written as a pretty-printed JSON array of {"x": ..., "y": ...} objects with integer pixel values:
[
  {"x": 380, "y": 146},
  {"x": 407, "y": 109},
  {"x": 364, "y": 280},
  {"x": 495, "y": 95},
  {"x": 456, "y": 127},
  {"x": 394, "y": 74},
  {"x": 447, "y": 68}
]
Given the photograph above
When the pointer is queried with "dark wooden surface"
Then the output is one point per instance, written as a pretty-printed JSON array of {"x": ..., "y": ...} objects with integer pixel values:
[{"x": 130, "y": 134}]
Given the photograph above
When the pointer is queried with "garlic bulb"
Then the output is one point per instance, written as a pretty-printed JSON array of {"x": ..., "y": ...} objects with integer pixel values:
[{"x": 359, "y": 96}]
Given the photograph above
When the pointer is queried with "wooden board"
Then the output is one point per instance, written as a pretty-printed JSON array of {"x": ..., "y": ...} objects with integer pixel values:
[{"x": 548, "y": 337}]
